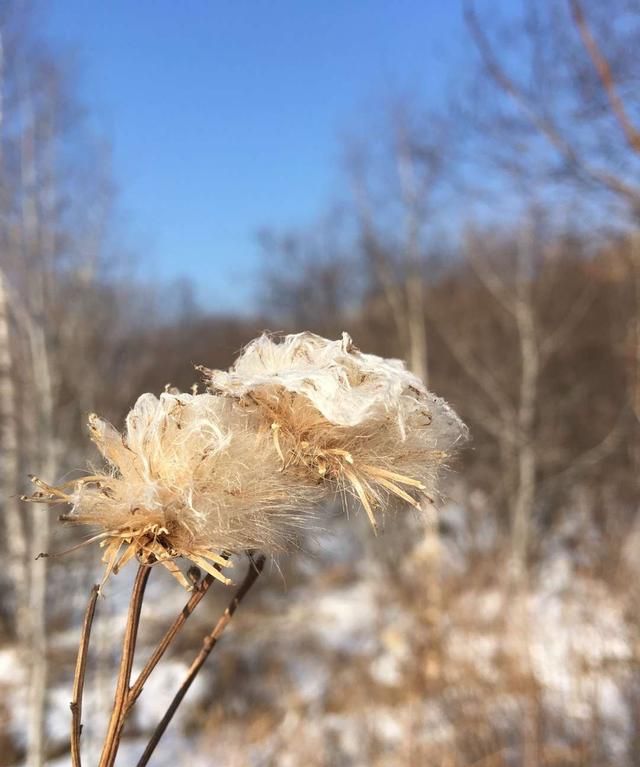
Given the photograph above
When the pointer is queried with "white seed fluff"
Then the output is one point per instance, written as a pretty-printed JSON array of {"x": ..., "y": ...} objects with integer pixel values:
[
  {"x": 248, "y": 465},
  {"x": 364, "y": 422}
]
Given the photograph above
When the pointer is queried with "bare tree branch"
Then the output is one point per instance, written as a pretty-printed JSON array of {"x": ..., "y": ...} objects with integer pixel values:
[
  {"x": 540, "y": 121},
  {"x": 603, "y": 68}
]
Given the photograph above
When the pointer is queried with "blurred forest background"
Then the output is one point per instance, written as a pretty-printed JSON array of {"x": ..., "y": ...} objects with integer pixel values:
[{"x": 494, "y": 244}]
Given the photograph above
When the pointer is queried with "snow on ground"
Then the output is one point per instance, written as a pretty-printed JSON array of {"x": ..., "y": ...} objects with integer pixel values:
[{"x": 319, "y": 668}]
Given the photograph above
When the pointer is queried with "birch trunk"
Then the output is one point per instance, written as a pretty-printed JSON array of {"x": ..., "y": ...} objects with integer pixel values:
[
  {"x": 16, "y": 543},
  {"x": 40, "y": 542},
  {"x": 16, "y": 534},
  {"x": 524, "y": 497},
  {"x": 36, "y": 244}
]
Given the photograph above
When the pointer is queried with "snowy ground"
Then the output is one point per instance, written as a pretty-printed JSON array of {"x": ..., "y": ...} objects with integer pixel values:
[{"x": 324, "y": 667}]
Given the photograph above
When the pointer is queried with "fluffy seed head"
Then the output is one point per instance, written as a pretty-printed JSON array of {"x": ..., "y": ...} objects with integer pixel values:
[
  {"x": 246, "y": 466},
  {"x": 362, "y": 422},
  {"x": 190, "y": 477}
]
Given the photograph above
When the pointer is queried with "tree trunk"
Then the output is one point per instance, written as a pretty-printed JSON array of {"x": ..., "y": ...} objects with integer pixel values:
[
  {"x": 526, "y": 460},
  {"x": 16, "y": 543}
]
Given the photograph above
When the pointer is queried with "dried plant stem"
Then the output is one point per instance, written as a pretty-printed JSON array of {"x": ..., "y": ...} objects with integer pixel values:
[
  {"x": 112, "y": 740},
  {"x": 78, "y": 680},
  {"x": 127, "y": 694},
  {"x": 208, "y": 644},
  {"x": 164, "y": 643}
]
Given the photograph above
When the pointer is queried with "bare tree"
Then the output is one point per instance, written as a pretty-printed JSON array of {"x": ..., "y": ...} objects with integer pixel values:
[
  {"x": 47, "y": 217},
  {"x": 395, "y": 227},
  {"x": 560, "y": 79},
  {"x": 557, "y": 110},
  {"x": 515, "y": 426}
]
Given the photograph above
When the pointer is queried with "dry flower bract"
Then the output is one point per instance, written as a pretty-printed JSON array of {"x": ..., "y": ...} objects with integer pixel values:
[{"x": 246, "y": 467}]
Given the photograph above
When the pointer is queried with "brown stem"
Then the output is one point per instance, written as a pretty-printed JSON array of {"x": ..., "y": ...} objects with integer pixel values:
[
  {"x": 78, "y": 679},
  {"x": 112, "y": 740},
  {"x": 194, "y": 601},
  {"x": 208, "y": 644}
]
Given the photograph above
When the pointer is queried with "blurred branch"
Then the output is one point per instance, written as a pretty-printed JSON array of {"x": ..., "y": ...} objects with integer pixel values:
[
  {"x": 594, "y": 454},
  {"x": 605, "y": 73},
  {"x": 373, "y": 250},
  {"x": 492, "y": 283},
  {"x": 542, "y": 123},
  {"x": 486, "y": 382},
  {"x": 562, "y": 333}
]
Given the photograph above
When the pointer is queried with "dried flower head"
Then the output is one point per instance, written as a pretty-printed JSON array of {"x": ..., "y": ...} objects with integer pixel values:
[
  {"x": 365, "y": 424},
  {"x": 191, "y": 478},
  {"x": 245, "y": 467}
]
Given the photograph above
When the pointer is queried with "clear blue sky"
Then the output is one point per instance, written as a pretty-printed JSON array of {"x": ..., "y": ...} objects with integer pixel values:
[{"x": 226, "y": 116}]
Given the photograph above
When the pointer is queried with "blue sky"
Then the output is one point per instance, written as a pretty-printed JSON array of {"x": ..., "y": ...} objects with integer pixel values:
[{"x": 226, "y": 117}]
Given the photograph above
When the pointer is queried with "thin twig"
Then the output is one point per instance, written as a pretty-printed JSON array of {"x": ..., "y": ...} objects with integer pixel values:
[
  {"x": 208, "y": 644},
  {"x": 166, "y": 640},
  {"x": 112, "y": 740},
  {"x": 78, "y": 679},
  {"x": 605, "y": 73},
  {"x": 539, "y": 119}
]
